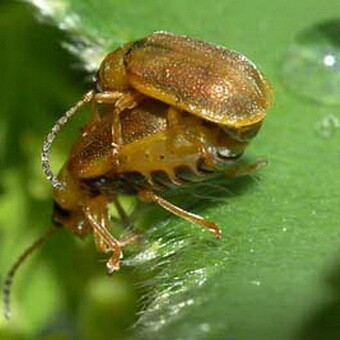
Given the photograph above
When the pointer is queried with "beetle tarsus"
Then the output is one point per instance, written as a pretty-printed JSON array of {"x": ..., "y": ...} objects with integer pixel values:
[{"x": 246, "y": 169}]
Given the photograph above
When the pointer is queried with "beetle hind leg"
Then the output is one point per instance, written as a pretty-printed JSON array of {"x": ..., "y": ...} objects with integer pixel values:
[
  {"x": 246, "y": 169},
  {"x": 148, "y": 196}
]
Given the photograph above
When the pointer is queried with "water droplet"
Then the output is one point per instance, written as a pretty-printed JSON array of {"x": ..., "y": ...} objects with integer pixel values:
[
  {"x": 312, "y": 65},
  {"x": 204, "y": 327},
  {"x": 328, "y": 126},
  {"x": 284, "y": 229},
  {"x": 256, "y": 282}
]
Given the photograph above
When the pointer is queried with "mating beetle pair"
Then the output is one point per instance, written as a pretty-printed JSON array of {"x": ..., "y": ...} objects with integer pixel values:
[{"x": 166, "y": 111}]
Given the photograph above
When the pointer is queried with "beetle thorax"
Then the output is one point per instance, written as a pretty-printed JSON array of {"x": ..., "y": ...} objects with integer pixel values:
[{"x": 112, "y": 74}]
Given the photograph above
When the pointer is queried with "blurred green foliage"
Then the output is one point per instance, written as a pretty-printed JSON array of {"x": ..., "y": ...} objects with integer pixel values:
[
  {"x": 275, "y": 273},
  {"x": 53, "y": 293}
]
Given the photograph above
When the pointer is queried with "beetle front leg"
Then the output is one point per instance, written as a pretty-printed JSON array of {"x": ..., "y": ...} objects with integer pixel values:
[
  {"x": 97, "y": 214},
  {"x": 117, "y": 98},
  {"x": 128, "y": 100},
  {"x": 122, "y": 101},
  {"x": 94, "y": 117},
  {"x": 107, "y": 97},
  {"x": 105, "y": 238}
]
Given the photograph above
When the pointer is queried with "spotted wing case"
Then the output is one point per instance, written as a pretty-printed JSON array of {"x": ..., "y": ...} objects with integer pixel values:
[{"x": 210, "y": 81}]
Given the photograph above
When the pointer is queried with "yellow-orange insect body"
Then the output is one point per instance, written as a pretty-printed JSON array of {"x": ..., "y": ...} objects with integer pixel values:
[
  {"x": 173, "y": 108},
  {"x": 166, "y": 111}
]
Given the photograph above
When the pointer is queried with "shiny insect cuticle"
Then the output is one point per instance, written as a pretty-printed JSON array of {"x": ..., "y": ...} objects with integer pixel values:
[{"x": 166, "y": 111}]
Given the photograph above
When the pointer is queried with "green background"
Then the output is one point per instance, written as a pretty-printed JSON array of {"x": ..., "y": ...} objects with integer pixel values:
[{"x": 276, "y": 271}]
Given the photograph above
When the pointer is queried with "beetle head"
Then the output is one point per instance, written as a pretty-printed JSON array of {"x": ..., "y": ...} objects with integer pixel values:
[
  {"x": 72, "y": 220},
  {"x": 68, "y": 205}
]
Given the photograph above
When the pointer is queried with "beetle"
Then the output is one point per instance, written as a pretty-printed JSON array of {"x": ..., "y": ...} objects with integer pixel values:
[{"x": 166, "y": 110}]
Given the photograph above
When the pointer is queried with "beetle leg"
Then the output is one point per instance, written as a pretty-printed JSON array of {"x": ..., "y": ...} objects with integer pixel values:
[
  {"x": 150, "y": 197},
  {"x": 100, "y": 243},
  {"x": 106, "y": 238},
  {"x": 245, "y": 169},
  {"x": 122, "y": 214},
  {"x": 208, "y": 157},
  {"x": 95, "y": 117},
  {"x": 128, "y": 100},
  {"x": 173, "y": 117},
  {"x": 122, "y": 101},
  {"x": 97, "y": 215},
  {"x": 101, "y": 216},
  {"x": 128, "y": 239},
  {"x": 107, "y": 97}
]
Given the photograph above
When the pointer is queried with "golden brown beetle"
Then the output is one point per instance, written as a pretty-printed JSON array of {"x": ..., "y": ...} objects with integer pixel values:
[{"x": 166, "y": 110}]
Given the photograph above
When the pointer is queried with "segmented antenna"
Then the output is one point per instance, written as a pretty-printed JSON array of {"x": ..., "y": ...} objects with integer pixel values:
[
  {"x": 10, "y": 274},
  {"x": 45, "y": 154}
]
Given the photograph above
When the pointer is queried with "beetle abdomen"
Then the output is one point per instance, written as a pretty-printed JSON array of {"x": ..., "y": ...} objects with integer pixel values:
[{"x": 131, "y": 182}]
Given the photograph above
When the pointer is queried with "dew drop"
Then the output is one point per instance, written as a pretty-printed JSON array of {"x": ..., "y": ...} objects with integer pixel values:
[
  {"x": 311, "y": 67},
  {"x": 256, "y": 282},
  {"x": 328, "y": 126},
  {"x": 204, "y": 327}
]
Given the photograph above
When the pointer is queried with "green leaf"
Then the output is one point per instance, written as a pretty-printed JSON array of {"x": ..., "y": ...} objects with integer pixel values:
[{"x": 275, "y": 273}]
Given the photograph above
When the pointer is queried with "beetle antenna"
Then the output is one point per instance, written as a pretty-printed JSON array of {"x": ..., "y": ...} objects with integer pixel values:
[
  {"x": 15, "y": 266},
  {"x": 45, "y": 154}
]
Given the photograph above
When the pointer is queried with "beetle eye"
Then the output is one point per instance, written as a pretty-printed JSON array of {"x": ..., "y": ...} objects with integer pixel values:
[{"x": 59, "y": 214}]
